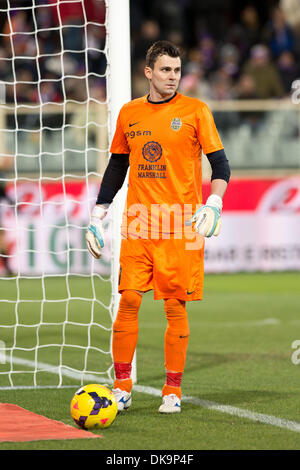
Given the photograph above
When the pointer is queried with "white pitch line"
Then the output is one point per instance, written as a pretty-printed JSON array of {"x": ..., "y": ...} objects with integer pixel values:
[
  {"x": 56, "y": 370},
  {"x": 227, "y": 409},
  {"x": 241, "y": 413}
]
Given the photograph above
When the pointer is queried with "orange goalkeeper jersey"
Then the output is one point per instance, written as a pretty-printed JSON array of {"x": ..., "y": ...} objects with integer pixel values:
[{"x": 164, "y": 142}]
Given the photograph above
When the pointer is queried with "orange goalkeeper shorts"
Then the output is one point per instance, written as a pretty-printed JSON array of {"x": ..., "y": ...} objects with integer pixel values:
[{"x": 173, "y": 268}]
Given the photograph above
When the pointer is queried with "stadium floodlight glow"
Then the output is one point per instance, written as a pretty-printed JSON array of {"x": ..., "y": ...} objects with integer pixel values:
[{"x": 53, "y": 144}]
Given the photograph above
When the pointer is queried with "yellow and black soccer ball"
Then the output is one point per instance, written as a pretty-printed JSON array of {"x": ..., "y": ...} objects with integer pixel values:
[{"x": 94, "y": 407}]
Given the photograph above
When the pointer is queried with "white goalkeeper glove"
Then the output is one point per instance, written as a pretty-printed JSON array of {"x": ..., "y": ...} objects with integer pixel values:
[
  {"x": 207, "y": 218},
  {"x": 95, "y": 235}
]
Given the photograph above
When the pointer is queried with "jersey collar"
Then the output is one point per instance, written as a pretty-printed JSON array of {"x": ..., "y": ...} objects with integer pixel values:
[{"x": 162, "y": 102}]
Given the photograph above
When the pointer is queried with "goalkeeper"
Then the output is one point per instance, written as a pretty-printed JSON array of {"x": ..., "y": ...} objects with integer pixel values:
[{"x": 160, "y": 138}]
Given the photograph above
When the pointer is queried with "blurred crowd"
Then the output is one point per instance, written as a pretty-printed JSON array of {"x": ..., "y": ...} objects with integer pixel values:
[
  {"x": 252, "y": 55},
  {"x": 51, "y": 55},
  {"x": 252, "y": 52}
]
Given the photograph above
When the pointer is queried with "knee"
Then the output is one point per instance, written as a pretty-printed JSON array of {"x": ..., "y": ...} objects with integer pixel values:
[
  {"x": 174, "y": 307},
  {"x": 128, "y": 308},
  {"x": 130, "y": 299},
  {"x": 176, "y": 315}
]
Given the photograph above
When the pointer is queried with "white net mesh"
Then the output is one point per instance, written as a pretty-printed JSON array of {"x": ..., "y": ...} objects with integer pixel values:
[{"x": 55, "y": 302}]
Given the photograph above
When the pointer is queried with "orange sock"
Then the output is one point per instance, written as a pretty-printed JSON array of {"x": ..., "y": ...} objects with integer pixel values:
[
  {"x": 125, "y": 335},
  {"x": 176, "y": 343},
  {"x": 169, "y": 390},
  {"x": 123, "y": 384}
]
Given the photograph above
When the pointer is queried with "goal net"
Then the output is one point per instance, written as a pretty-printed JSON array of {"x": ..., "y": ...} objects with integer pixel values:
[{"x": 57, "y": 303}]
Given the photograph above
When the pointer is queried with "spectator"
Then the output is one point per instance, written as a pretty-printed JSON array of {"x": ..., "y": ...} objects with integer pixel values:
[
  {"x": 246, "y": 89},
  {"x": 16, "y": 43},
  {"x": 291, "y": 11},
  {"x": 221, "y": 88},
  {"x": 70, "y": 15},
  {"x": 194, "y": 56},
  {"x": 208, "y": 51},
  {"x": 278, "y": 34},
  {"x": 46, "y": 93},
  {"x": 229, "y": 60},
  {"x": 247, "y": 32},
  {"x": 288, "y": 70},
  {"x": 264, "y": 73},
  {"x": 48, "y": 38},
  {"x": 60, "y": 66},
  {"x": 194, "y": 84}
]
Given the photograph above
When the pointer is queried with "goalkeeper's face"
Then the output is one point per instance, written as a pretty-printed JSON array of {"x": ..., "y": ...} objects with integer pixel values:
[{"x": 164, "y": 77}]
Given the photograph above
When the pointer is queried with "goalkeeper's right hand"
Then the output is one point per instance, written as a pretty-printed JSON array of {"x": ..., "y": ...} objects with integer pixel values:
[
  {"x": 207, "y": 218},
  {"x": 94, "y": 235}
]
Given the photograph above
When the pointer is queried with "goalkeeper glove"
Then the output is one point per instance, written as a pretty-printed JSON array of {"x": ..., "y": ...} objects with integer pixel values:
[
  {"x": 207, "y": 218},
  {"x": 94, "y": 235}
]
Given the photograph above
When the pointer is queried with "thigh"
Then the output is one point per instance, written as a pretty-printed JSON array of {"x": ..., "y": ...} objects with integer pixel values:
[
  {"x": 136, "y": 265},
  {"x": 178, "y": 270}
]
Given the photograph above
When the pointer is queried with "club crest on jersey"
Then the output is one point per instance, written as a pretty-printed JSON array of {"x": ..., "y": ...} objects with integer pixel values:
[
  {"x": 152, "y": 151},
  {"x": 176, "y": 124}
]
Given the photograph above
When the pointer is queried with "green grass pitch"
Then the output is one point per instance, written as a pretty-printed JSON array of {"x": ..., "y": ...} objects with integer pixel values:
[{"x": 239, "y": 354}]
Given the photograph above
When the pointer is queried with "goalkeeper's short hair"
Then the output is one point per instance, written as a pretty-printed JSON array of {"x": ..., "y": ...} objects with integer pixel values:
[{"x": 161, "y": 48}]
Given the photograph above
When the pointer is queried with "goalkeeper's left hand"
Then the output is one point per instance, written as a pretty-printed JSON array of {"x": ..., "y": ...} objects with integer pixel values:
[{"x": 207, "y": 218}]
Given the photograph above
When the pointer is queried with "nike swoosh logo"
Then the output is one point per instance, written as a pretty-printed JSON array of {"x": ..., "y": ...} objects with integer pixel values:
[
  {"x": 190, "y": 292},
  {"x": 183, "y": 336},
  {"x": 124, "y": 401},
  {"x": 133, "y": 124}
]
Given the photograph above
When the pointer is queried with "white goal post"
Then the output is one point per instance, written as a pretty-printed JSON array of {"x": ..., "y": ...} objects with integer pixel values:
[
  {"x": 119, "y": 91},
  {"x": 56, "y": 320}
]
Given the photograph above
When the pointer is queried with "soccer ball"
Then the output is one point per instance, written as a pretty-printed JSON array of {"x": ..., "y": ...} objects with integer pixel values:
[{"x": 94, "y": 406}]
